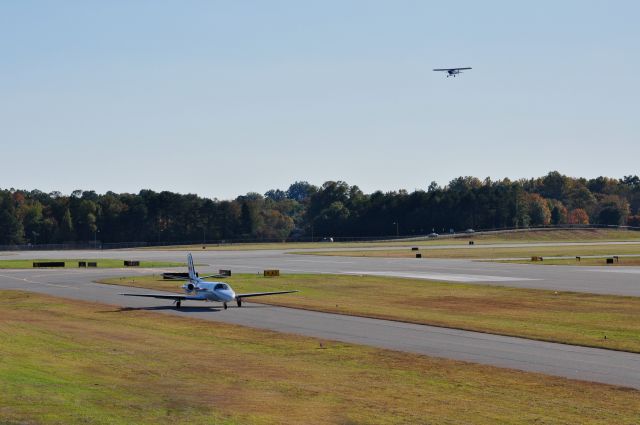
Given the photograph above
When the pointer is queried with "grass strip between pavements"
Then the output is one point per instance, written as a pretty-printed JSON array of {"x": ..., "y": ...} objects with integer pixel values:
[
  {"x": 489, "y": 252},
  {"x": 591, "y": 320},
  {"x": 73, "y": 362},
  {"x": 529, "y": 236},
  {"x": 73, "y": 263},
  {"x": 582, "y": 261}
]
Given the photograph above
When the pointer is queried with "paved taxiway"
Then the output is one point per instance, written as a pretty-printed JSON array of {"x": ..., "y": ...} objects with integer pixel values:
[{"x": 617, "y": 368}]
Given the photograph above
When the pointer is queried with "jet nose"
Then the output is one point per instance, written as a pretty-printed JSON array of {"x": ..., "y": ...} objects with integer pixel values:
[{"x": 230, "y": 295}]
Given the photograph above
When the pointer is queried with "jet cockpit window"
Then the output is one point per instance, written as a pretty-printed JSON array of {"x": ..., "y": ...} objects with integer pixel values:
[{"x": 221, "y": 286}]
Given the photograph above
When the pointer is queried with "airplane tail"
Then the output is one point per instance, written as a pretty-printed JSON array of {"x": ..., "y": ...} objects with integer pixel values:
[{"x": 193, "y": 277}]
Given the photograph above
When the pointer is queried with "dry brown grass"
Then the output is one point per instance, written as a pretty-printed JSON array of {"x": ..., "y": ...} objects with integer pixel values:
[
  {"x": 546, "y": 235},
  {"x": 490, "y": 252}
]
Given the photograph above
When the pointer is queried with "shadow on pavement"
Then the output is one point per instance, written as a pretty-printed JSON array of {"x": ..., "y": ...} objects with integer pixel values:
[{"x": 185, "y": 309}]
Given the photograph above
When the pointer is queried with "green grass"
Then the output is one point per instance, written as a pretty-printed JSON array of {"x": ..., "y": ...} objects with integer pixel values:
[
  {"x": 547, "y": 235},
  {"x": 71, "y": 362},
  {"x": 566, "y": 317},
  {"x": 489, "y": 252},
  {"x": 73, "y": 263}
]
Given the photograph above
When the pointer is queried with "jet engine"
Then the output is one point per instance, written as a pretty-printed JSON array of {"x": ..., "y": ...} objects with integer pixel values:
[{"x": 189, "y": 287}]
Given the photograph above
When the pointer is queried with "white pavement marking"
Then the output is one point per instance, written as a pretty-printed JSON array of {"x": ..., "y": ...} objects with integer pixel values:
[
  {"x": 34, "y": 283},
  {"x": 21, "y": 279},
  {"x": 444, "y": 276},
  {"x": 605, "y": 269},
  {"x": 323, "y": 261}
]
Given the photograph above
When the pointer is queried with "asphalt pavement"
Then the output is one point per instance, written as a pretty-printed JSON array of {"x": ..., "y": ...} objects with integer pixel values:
[{"x": 615, "y": 280}]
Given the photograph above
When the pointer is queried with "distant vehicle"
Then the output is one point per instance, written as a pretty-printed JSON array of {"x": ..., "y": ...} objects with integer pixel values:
[
  {"x": 452, "y": 72},
  {"x": 469, "y": 231},
  {"x": 432, "y": 235},
  {"x": 206, "y": 291}
]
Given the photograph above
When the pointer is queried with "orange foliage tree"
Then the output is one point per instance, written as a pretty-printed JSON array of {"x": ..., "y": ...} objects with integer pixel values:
[{"x": 578, "y": 216}]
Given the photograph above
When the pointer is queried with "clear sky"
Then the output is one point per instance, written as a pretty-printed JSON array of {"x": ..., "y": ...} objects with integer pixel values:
[{"x": 221, "y": 98}]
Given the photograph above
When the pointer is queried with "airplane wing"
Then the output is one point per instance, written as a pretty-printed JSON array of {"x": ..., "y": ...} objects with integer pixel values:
[
  {"x": 451, "y": 69},
  {"x": 217, "y": 276},
  {"x": 173, "y": 277},
  {"x": 260, "y": 294},
  {"x": 166, "y": 297}
]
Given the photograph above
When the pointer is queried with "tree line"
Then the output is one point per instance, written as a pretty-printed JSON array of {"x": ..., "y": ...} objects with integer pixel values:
[{"x": 305, "y": 211}]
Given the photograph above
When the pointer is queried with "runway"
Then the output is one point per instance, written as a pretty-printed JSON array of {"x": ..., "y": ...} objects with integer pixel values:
[
  {"x": 598, "y": 280},
  {"x": 598, "y": 365}
]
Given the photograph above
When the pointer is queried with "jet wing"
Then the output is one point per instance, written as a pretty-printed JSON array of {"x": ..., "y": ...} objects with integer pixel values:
[
  {"x": 260, "y": 294},
  {"x": 217, "y": 276},
  {"x": 167, "y": 297},
  {"x": 174, "y": 277}
]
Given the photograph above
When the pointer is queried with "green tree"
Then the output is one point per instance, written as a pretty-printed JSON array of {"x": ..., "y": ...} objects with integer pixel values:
[
  {"x": 581, "y": 197},
  {"x": 66, "y": 226},
  {"x": 301, "y": 191},
  {"x": 11, "y": 230},
  {"x": 522, "y": 217},
  {"x": 613, "y": 210},
  {"x": 559, "y": 213},
  {"x": 31, "y": 215},
  {"x": 555, "y": 186}
]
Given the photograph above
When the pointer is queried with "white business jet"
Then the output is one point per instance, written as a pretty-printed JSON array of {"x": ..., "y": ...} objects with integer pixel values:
[{"x": 206, "y": 291}]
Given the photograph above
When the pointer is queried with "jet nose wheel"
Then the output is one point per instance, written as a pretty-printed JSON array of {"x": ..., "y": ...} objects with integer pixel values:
[{"x": 225, "y": 305}]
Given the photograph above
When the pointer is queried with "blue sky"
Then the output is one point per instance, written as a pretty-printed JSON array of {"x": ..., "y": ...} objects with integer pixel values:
[{"x": 224, "y": 98}]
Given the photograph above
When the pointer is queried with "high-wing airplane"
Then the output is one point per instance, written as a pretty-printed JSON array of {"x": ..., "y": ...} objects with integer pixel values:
[
  {"x": 206, "y": 291},
  {"x": 452, "y": 72}
]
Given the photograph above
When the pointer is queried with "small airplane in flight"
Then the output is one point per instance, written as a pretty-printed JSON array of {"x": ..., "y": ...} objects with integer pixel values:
[
  {"x": 206, "y": 291},
  {"x": 452, "y": 72}
]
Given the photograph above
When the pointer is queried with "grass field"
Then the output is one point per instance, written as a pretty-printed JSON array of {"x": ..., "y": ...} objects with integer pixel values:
[
  {"x": 73, "y": 263},
  {"x": 548, "y": 235},
  {"x": 484, "y": 252},
  {"x": 71, "y": 362},
  {"x": 573, "y": 318}
]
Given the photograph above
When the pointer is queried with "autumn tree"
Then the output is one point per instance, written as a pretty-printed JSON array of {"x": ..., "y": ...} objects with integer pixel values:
[
  {"x": 335, "y": 208},
  {"x": 539, "y": 210},
  {"x": 578, "y": 216}
]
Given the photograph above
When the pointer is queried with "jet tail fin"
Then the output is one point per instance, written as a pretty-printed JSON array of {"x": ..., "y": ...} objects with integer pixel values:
[{"x": 193, "y": 277}]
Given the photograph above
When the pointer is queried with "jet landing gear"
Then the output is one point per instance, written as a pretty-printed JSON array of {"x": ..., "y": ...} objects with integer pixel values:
[
  {"x": 225, "y": 305},
  {"x": 239, "y": 301},
  {"x": 178, "y": 305}
]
